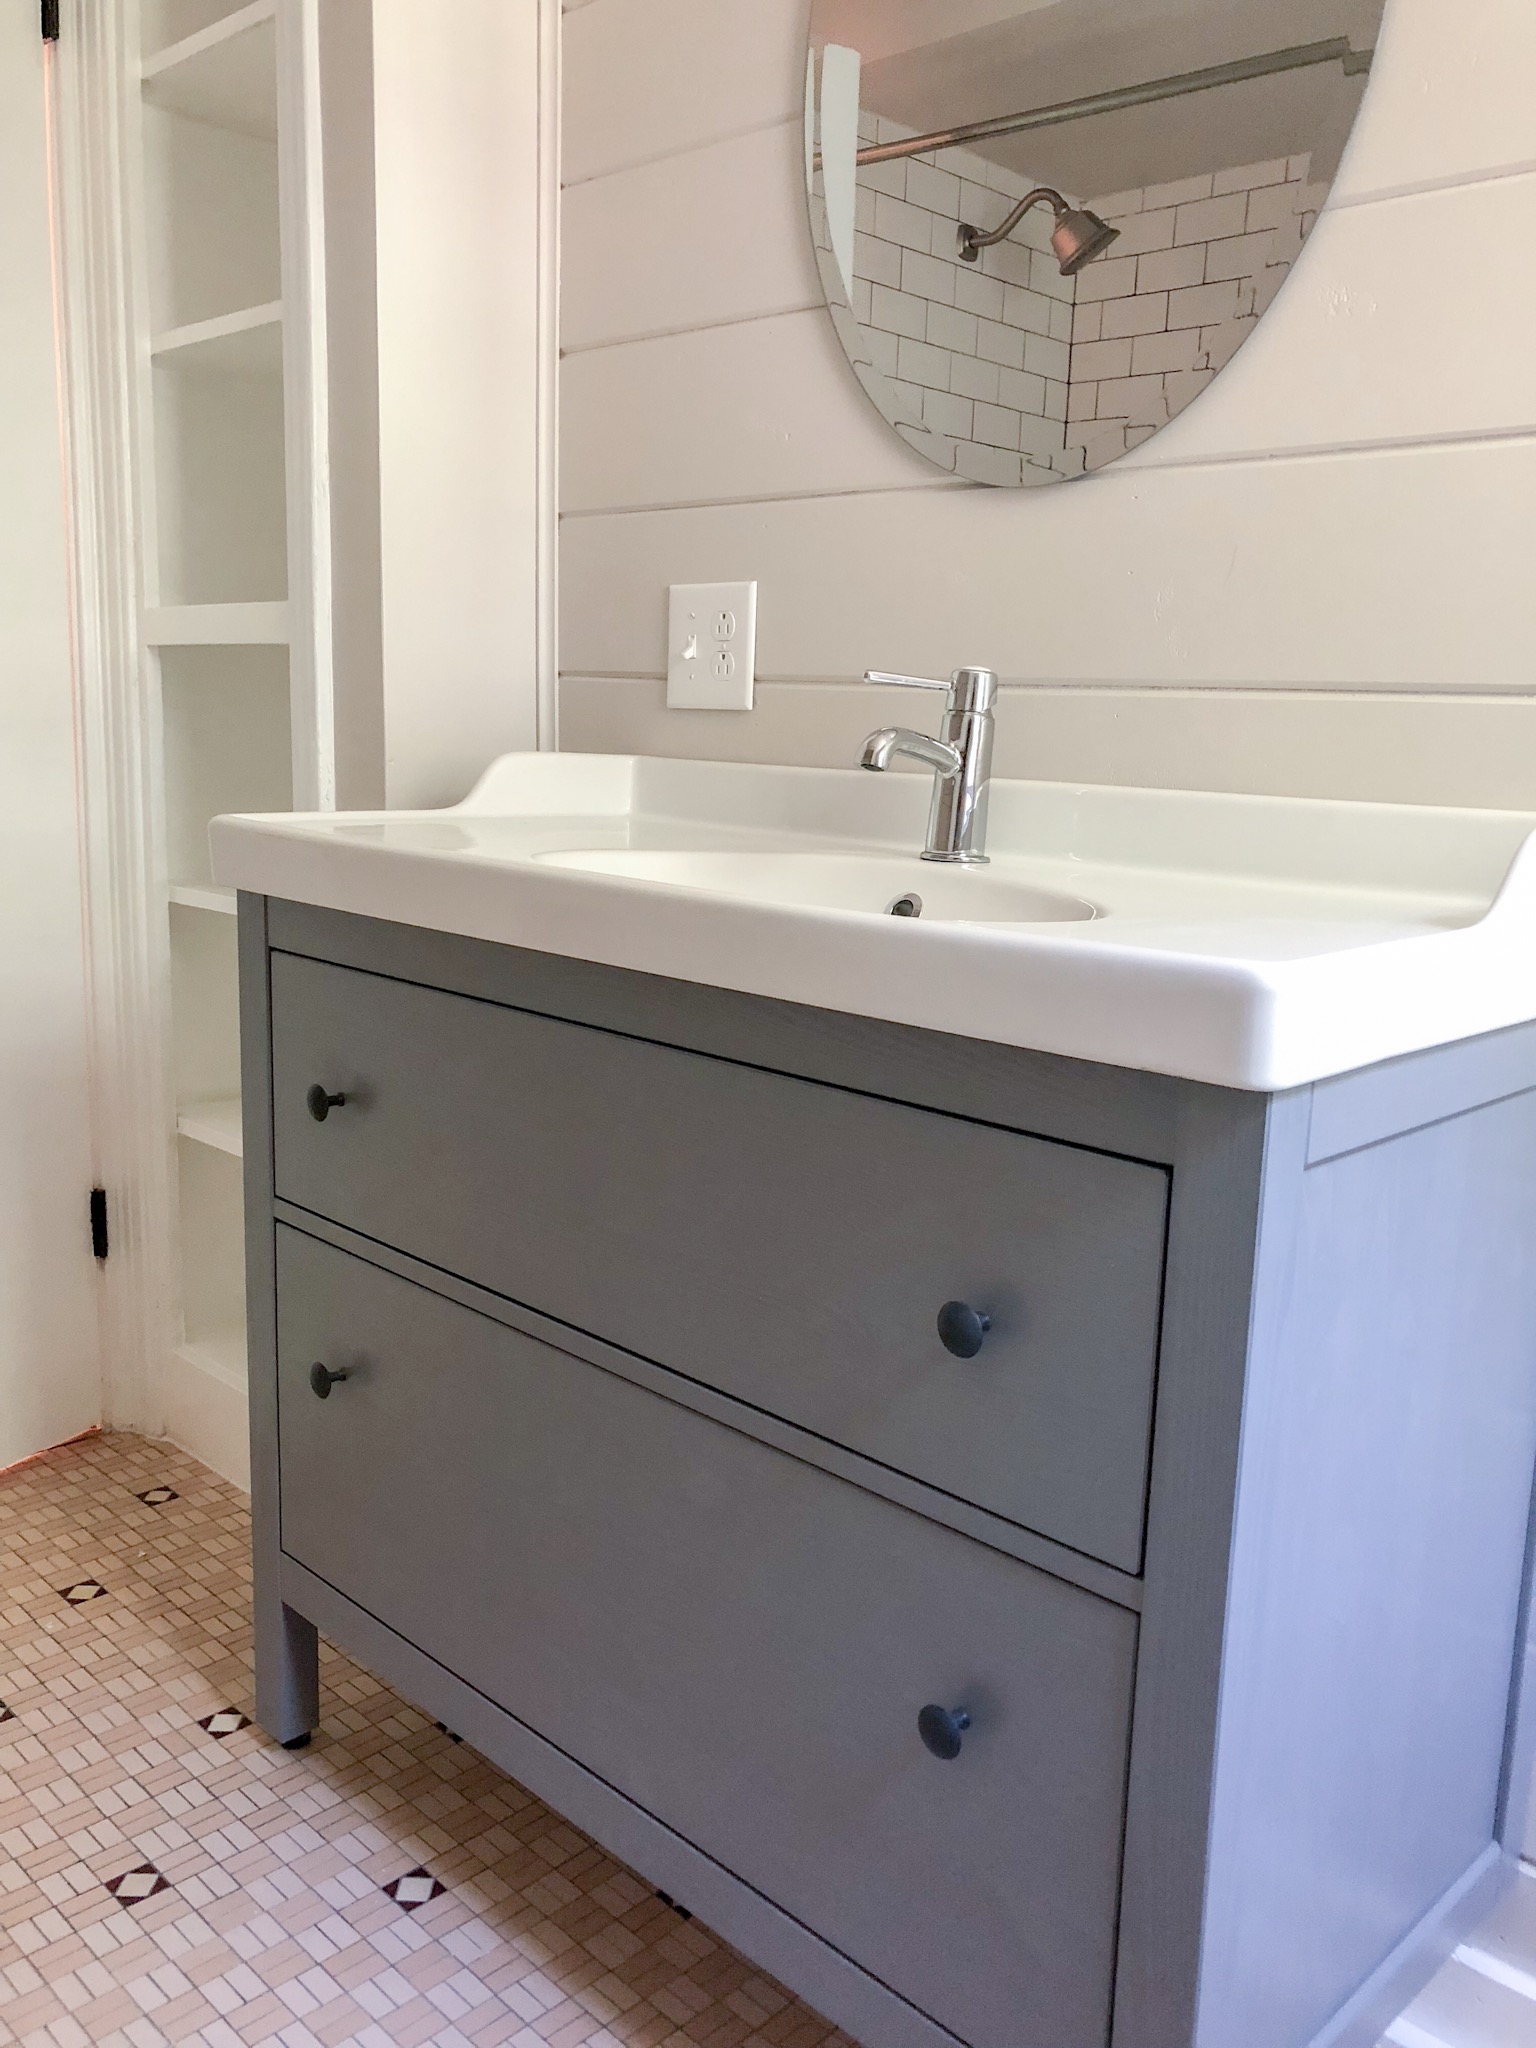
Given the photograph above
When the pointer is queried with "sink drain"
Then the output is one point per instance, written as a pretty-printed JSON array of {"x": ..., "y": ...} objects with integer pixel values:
[{"x": 910, "y": 905}]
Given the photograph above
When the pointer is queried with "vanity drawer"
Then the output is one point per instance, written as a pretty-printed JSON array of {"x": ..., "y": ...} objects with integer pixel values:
[
  {"x": 735, "y": 1640},
  {"x": 786, "y": 1241}
]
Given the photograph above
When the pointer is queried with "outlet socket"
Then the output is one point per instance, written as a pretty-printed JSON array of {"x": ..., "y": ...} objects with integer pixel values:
[{"x": 711, "y": 646}]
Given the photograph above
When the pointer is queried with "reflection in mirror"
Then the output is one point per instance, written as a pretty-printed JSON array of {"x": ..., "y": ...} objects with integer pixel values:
[{"x": 1044, "y": 226}]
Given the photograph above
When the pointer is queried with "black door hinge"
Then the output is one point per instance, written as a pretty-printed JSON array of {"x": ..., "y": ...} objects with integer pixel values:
[
  {"x": 99, "y": 1222},
  {"x": 51, "y": 26}
]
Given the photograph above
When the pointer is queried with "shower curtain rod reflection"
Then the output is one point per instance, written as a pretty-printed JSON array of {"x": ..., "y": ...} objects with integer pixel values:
[{"x": 1337, "y": 50}]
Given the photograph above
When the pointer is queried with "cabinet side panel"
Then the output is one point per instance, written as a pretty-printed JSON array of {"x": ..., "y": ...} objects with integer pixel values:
[
  {"x": 1214, "y": 1227},
  {"x": 1383, "y": 1495},
  {"x": 287, "y": 1670}
]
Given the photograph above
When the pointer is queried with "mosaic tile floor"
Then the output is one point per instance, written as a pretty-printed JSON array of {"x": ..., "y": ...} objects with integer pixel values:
[{"x": 167, "y": 1874}]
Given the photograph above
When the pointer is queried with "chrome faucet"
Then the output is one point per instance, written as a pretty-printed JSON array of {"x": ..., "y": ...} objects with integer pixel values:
[{"x": 961, "y": 760}]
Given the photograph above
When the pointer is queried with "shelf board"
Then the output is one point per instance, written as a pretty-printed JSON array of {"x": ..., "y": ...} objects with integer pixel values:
[
  {"x": 221, "y": 1355},
  {"x": 204, "y": 896},
  {"x": 262, "y": 624},
  {"x": 244, "y": 344},
  {"x": 225, "y": 75},
  {"x": 215, "y": 1123}
]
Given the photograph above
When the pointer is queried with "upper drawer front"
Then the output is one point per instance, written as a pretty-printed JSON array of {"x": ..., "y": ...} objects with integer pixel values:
[
  {"x": 789, "y": 1242},
  {"x": 732, "y": 1638}
]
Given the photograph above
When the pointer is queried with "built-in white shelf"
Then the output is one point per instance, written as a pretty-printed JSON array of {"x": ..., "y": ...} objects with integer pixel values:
[
  {"x": 222, "y": 1355},
  {"x": 215, "y": 1123},
  {"x": 225, "y": 292},
  {"x": 204, "y": 896},
  {"x": 262, "y": 624},
  {"x": 224, "y": 75},
  {"x": 244, "y": 344}
]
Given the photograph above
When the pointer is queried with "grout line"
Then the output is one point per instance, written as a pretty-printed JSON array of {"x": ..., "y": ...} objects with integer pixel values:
[
  {"x": 1415, "y": 188},
  {"x": 587, "y": 348},
  {"x": 1476, "y": 437},
  {"x": 1510, "y": 437},
  {"x": 1495, "y": 1971},
  {"x": 920, "y": 484},
  {"x": 1289, "y": 693},
  {"x": 1449, "y": 181},
  {"x": 667, "y": 156},
  {"x": 1406, "y": 2033}
]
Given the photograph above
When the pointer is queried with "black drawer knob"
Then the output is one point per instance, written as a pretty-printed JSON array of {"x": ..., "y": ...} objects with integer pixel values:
[
  {"x": 941, "y": 1729},
  {"x": 320, "y": 1104},
  {"x": 962, "y": 1329},
  {"x": 322, "y": 1379}
]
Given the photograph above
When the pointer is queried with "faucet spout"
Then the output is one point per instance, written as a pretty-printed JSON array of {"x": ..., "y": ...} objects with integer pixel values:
[
  {"x": 961, "y": 760},
  {"x": 881, "y": 748}
]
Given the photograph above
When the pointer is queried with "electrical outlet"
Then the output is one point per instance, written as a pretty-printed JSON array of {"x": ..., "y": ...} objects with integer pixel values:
[{"x": 711, "y": 646}]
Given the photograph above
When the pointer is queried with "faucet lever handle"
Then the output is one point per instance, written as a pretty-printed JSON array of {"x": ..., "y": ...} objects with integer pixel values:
[{"x": 969, "y": 689}]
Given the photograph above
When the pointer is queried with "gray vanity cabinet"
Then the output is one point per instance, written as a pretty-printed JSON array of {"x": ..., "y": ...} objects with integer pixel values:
[{"x": 598, "y": 1402}]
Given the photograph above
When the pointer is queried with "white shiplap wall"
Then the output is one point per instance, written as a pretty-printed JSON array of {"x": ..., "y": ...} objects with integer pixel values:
[{"x": 1317, "y": 580}]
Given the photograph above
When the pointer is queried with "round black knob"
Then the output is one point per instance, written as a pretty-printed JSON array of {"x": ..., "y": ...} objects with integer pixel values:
[
  {"x": 320, "y": 1104},
  {"x": 941, "y": 1729},
  {"x": 322, "y": 1379},
  {"x": 962, "y": 1328}
]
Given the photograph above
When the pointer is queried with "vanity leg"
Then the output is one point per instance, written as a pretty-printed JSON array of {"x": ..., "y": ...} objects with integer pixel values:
[{"x": 287, "y": 1674}]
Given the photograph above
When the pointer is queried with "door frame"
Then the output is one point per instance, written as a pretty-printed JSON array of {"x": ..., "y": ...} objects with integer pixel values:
[{"x": 93, "y": 85}]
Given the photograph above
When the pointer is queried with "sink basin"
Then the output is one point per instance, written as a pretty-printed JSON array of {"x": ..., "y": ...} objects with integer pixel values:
[
  {"x": 1254, "y": 942},
  {"x": 836, "y": 881}
]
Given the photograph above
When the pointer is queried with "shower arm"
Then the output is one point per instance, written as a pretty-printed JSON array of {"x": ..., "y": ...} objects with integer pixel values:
[{"x": 975, "y": 239}]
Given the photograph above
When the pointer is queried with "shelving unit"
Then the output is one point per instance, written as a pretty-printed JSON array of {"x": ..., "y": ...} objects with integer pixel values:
[
  {"x": 194, "y": 896},
  {"x": 244, "y": 344},
  {"x": 222, "y": 1359},
  {"x": 220, "y": 74},
  {"x": 216, "y": 625},
  {"x": 227, "y": 421},
  {"x": 238, "y": 515},
  {"x": 215, "y": 1123}
]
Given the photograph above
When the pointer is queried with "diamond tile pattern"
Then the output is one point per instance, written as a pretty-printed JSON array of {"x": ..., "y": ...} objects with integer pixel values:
[
  {"x": 227, "y": 1721},
  {"x": 416, "y": 1888},
  {"x": 165, "y": 1878},
  {"x": 85, "y": 1589},
  {"x": 136, "y": 1885}
]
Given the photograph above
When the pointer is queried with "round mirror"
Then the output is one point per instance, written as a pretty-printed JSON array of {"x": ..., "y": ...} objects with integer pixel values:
[{"x": 1044, "y": 226}]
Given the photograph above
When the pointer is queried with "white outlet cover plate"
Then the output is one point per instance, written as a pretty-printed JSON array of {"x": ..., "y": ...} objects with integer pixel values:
[{"x": 711, "y": 646}]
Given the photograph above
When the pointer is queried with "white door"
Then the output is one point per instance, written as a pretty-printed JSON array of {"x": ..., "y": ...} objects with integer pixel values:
[{"x": 50, "y": 1369}]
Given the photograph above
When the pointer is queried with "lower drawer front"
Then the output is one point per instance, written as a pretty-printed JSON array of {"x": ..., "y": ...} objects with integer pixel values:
[
  {"x": 735, "y": 1640},
  {"x": 787, "y": 1242}
]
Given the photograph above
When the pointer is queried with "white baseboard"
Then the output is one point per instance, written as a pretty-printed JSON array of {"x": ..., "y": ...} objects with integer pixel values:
[{"x": 204, "y": 1413}]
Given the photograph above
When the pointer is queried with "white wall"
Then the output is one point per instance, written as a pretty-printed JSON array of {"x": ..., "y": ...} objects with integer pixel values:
[
  {"x": 1318, "y": 579},
  {"x": 50, "y": 1379}
]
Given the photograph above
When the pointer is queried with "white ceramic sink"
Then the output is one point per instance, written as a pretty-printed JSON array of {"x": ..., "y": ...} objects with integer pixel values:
[
  {"x": 835, "y": 881},
  {"x": 1254, "y": 942}
]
